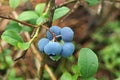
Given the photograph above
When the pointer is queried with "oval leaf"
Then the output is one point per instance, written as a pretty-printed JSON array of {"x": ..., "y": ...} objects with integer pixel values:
[
  {"x": 14, "y": 3},
  {"x": 27, "y": 15},
  {"x": 40, "y": 8},
  {"x": 92, "y": 2},
  {"x": 6, "y": 52},
  {"x": 88, "y": 62},
  {"x": 26, "y": 29},
  {"x": 9, "y": 60},
  {"x": 76, "y": 69},
  {"x": 66, "y": 76},
  {"x": 74, "y": 77},
  {"x": 23, "y": 46},
  {"x": 91, "y": 78},
  {"x": 59, "y": 12},
  {"x": 13, "y": 26},
  {"x": 11, "y": 37},
  {"x": 11, "y": 74},
  {"x": 41, "y": 20}
]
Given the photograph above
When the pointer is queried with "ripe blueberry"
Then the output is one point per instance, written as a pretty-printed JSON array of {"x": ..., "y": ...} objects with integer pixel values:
[
  {"x": 67, "y": 34},
  {"x": 54, "y": 29},
  {"x": 67, "y": 49},
  {"x": 42, "y": 43},
  {"x": 53, "y": 48}
]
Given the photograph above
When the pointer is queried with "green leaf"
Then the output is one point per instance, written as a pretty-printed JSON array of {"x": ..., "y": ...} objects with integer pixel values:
[
  {"x": 46, "y": 75},
  {"x": 25, "y": 0},
  {"x": 19, "y": 78},
  {"x": 91, "y": 78},
  {"x": 14, "y": 3},
  {"x": 88, "y": 62},
  {"x": 74, "y": 77},
  {"x": 3, "y": 66},
  {"x": 32, "y": 21},
  {"x": 6, "y": 52},
  {"x": 12, "y": 74},
  {"x": 41, "y": 20},
  {"x": 9, "y": 60},
  {"x": 66, "y": 76},
  {"x": 26, "y": 29},
  {"x": 59, "y": 12},
  {"x": 27, "y": 15},
  {"x": 92, "y": 2},
  {"x": 40, "y": 8},
  {"x": 11, "y": 37},
  {"x": 23, "y": 46},
  {"x": 13, "y": 26},
  {"x": 76, "y": 69}
]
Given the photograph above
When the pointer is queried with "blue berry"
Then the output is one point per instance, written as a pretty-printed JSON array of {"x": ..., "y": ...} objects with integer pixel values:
[
  {"x": 54, "y": 29},
  {"x": 67, "y": 49},
  {"x": 53, "y": 48},
  {"x": 67, "y": 34},
  {"x": 42, "y": 43}
]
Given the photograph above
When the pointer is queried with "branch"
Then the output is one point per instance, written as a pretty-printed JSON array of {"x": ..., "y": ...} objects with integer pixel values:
[
  {"x": 53, "y": 34},
  {"x": 65, "y": 3},
  {"x": 108, "y": 15},
  {"x": 24, "y": 23},
  {"x": 77, "y": 4},
  {"x": 35, "y": 35},
  {"x": 37, "y": 55},
  {"x": 51, "y": 12},
  {"x": 22, "y": 56}
]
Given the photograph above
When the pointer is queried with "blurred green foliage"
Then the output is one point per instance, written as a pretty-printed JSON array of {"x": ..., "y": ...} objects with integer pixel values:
[
  {"x": 109, "y": 36},
  {"x": 5, "y": 59},
  {"x": 6, "y": 66}
]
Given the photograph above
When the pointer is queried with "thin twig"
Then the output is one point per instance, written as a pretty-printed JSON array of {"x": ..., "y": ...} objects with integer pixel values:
[
  {"x": 117, "y": 0},
  {"x": 65, "y": 3},
  {"x": 48, "y": 29},
  {"x": 102, "y": 9},
  {"x": 43, "y": 62},
  {"x": 77, "y": 4},
  {"x": 22, "y": 56},
  {"x": 108, "y": 14},
  {"x": 51, "y": 12},
  {"x": 24, "y": 23},
  {"x": 50, "y": 72},
  {"x": 35, "y": 35},
  {"x": 38, "y": 56}
]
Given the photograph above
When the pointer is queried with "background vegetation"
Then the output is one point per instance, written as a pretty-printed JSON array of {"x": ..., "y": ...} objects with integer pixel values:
[{"x": 96, "y": 24}]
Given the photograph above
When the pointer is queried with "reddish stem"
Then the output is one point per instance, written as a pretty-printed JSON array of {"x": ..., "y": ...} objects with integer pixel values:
[
  {"x": 24, "y": 23},
  {"x": 53, "y": 34}
]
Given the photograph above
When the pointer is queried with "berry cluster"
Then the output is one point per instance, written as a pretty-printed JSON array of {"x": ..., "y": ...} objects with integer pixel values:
[{"x": 60, "y": 44}]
